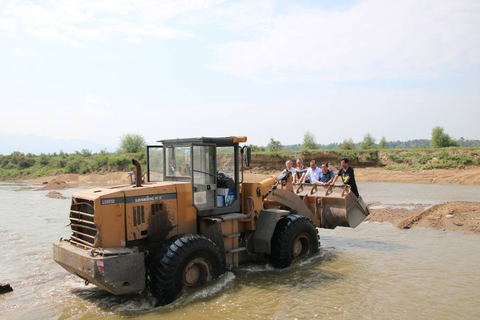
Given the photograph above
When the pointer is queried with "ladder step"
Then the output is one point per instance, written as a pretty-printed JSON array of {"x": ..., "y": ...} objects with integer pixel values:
[
  {"x": 236, "y": 250},
  {"x": 232, "y": 235}
]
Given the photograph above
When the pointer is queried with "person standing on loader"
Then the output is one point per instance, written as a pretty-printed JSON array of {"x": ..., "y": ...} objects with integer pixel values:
[{"x": 348, "y": 176}]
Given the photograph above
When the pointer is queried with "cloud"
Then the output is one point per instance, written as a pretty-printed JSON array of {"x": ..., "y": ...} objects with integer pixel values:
[
  {"x": 93, "y": 106},
  {"x": 133, "y": 40},
  {"x": 62, "y": 111},
  {"x": 19, "y": 52},
  {"x": 73, "y": 21},
  {"x": 373, "y": 39}
]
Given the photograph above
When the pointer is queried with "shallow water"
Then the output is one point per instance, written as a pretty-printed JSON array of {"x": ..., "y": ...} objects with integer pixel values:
[
  {"x": 373, "y": 271},
  {"x": 390, "y": 193}
]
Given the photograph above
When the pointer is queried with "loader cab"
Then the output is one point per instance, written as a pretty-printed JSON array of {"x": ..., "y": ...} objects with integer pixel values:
[{"x": 213, "y": 166}]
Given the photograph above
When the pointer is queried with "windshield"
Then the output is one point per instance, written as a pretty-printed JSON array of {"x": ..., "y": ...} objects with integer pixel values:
[
  {"x": 178, "y": 162},
  {"x": 155, "y": 164}
]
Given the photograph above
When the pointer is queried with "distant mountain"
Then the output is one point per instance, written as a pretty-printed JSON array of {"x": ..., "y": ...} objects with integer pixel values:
[{"x": 10, "y": 142}]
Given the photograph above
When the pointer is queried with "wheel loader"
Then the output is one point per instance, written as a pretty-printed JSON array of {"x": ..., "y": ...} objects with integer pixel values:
[{"x": 194, "y": 217}]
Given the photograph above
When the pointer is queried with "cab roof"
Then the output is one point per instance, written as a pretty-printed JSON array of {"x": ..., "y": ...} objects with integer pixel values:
[{"x": 221, "y": 141}]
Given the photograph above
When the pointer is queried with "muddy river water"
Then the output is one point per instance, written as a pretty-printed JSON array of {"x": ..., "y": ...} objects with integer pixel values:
[{"x": 371, "y": 272}]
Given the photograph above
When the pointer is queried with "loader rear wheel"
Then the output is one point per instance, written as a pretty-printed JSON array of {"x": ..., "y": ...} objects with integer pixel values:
[
  {"x": 295, "y": 237},
  {"x": 183, "y": 262}
]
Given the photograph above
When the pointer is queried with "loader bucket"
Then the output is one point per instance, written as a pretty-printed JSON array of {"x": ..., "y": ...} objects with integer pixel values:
[{"x": 334, "y": 206}]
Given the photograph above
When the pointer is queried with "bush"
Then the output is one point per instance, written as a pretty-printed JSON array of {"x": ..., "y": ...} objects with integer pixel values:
[
  {"x": 61, "y": 163},
  {"x": 131, "y": 143},
  {"x": 383, "y": 143},
  {"x": 309, "y": 141},
  {"x": 396, "y": 157},
  {"x": 43, "y": 160},
  {"x": 274, "y": 145},
  {"x": 440, "y": 139},
  {"x": 347, "y": 145},
  {"x": 368, "y": 142},
  {"x": 26, "y": 163},
  {"x": 101, "y": 160},
  {"x": 119, "y": 161},
  {"x": 255, "y": 148},
  {"x": 73, "y": 166},
  {"x": 86, "y": 153},
  {"x": 5, "y": 162}
]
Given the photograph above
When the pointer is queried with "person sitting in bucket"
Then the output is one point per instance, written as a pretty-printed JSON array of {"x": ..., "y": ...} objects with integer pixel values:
[
  {"x": 326, "y": 176},
  {"x": 288, "y": 167},
  {"x": 312, "y": 174},
  {"x": 299, "y": 171}
]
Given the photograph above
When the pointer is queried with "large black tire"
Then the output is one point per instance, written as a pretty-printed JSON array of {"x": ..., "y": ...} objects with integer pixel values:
[
  {"x": 184, "y": 261},
  {"x": 295, "y": 237}
]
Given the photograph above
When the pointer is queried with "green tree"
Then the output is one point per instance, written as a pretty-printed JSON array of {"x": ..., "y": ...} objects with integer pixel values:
[
  {"x": 309, "y": 141},
  {"x": 131, "y": 143},
  {"x": 274, "y": 145},
  {"x": 347, "y": 144},
  {"x": 368, "y": 142},
  {"x": 383, "y": 143},
  {"x": 256, "y": 148},
  {"x": 440, "y": 139}
]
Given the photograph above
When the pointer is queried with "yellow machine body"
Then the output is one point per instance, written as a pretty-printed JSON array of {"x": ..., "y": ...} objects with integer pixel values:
[{"x": 115, "y": 229}]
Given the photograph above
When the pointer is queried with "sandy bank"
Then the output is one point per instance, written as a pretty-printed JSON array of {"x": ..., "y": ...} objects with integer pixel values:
[
  {"x": 467, "y": 176},
  {"x": 73, "y": 180},
  {"x": 452, "y": 216}
]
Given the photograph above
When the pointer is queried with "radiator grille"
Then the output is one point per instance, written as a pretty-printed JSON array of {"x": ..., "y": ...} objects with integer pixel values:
[{"x": 84, "y": 230}]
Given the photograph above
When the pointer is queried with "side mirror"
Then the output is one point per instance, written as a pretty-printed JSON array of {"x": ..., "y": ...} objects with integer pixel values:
[{"x": 248, "y": 160}]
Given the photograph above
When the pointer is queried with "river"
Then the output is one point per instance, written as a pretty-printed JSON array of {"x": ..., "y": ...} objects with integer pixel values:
[{"x": 373, "y": 271}]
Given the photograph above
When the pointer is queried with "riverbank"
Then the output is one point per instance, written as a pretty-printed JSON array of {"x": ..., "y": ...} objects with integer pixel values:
[
  {"x": 462, "y": 176},
  {"x": 452, "y": 216},
  {"x": 411, "y": 161}
]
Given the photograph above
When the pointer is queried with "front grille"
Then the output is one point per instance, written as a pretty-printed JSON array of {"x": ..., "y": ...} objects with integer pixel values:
[{"x": 84, "y": 230}]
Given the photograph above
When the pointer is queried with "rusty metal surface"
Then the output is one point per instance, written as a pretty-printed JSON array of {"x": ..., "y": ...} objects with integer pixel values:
[
  {"x": 138, "y": 173},
  {"x": 117, "y": 274},
  {"x": 327, "y": 207}
]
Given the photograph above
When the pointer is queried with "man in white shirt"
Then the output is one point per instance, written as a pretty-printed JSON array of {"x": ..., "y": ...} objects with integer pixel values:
[
  {"x": 313, "y": 173},
  {"x": 288, "y": 167}
]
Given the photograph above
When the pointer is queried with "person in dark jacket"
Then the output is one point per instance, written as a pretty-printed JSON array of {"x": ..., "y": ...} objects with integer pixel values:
[{"x": 348, "y": 176}]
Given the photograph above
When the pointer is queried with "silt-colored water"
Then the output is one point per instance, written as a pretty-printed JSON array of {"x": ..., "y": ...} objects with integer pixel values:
[{"x": 371, "y": 272}]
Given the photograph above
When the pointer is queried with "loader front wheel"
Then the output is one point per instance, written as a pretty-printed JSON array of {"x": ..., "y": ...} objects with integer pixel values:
[
  {"x": 183, "y": 262},
  {"x": 295, "y": 237}
]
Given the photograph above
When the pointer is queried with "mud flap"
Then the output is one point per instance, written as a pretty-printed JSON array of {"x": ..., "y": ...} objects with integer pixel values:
[{"x": 265, "y": 227}]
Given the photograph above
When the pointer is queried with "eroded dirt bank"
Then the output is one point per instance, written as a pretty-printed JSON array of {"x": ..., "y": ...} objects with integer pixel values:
[
  {"x": 464, "y": 176},
  {"x": 453, "y": 216}
]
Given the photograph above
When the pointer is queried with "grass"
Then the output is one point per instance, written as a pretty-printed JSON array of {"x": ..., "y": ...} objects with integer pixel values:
[
  {"x": 396, "y": 168},
  {"x": 416, "y": 159},
  {"x": 20, "y": 165}
]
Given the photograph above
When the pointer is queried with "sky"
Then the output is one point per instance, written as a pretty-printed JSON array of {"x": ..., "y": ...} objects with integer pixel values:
[{"x": 81, "y": 73}]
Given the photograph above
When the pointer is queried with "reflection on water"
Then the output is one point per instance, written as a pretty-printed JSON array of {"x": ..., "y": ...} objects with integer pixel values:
[{"x": 373, "y": 271}]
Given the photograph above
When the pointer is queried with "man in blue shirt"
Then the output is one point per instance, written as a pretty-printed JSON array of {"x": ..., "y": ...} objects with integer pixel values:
[{"x": 326, "y": 176}]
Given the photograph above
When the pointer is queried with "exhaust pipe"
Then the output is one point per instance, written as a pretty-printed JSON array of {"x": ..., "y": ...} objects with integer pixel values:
[{"x": 138, "y": 173}]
